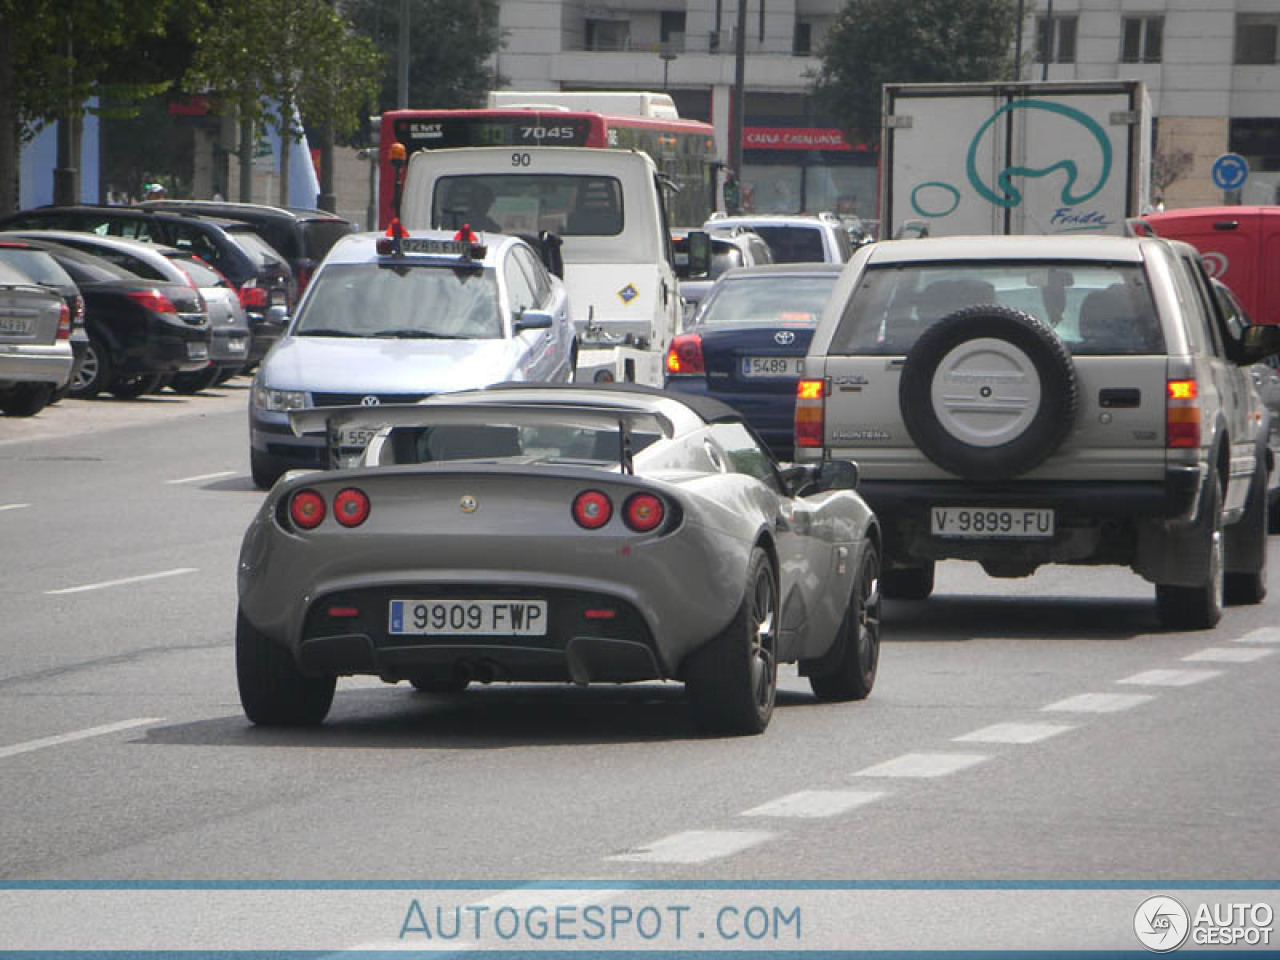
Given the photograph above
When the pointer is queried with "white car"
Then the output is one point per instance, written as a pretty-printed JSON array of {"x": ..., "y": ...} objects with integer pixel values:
[{"x": 394, "y": 322}]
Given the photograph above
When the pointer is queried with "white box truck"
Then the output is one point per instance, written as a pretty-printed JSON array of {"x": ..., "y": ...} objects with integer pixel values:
[{"x": 1014, "y": 158}]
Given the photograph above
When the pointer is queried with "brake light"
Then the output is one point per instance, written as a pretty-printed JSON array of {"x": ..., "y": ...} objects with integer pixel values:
[
  {"x": 1182, "y": 415},
  {"x": 152, "y": 300},
  {"x": 64, "y": 322},
  {"x": 643, "y": 512},
  {"x": 592, "y": 509},
  {"x": 351, "y": 507},
  {"x": 810, "y": 410},
  {"x": 79, "y": 311},
  {"x": 307, "y": 509},
  {"x": 685, "y": 355},
  {"x": 254, "y": 297}
]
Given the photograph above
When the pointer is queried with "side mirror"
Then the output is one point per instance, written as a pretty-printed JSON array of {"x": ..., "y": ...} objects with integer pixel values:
[
  {"x": 532, "y": 320},
  {"x": 1259, "y": 341},
  {"x": 699, "y": 253},
  {"x": 803, "y": 479}
]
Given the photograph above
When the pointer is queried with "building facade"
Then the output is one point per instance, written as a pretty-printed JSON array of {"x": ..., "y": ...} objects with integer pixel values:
[{"x": 1212, "y": 68}]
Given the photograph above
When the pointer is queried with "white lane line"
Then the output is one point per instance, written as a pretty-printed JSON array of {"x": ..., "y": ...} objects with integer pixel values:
[
  {"x": 1100, "y": 702},
  {"x": 17, "y": 748},
  {"x": 923, "y": 765},
  {"x": 1170, "y": 678},
  {"x": 203, "y": 476},
  {"x": 695, "y": 846},
  {"x": 1014, "y": 733},
  {"x": 1261, "y": 635},
  {"x": 1228, "y": 655},
  {"x": 175, "y": 572},
  {"x": 811, "y": 804},
  {"x": 14, "y": 506}
]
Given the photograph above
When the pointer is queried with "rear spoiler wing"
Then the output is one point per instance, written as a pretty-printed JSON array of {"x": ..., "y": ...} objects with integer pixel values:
[{"x": 331, "y": 420}]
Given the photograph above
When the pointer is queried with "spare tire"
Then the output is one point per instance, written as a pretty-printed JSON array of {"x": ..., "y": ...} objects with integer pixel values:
[{"x": 988, "y": 392}]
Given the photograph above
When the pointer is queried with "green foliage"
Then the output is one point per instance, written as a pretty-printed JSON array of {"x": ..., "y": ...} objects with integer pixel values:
[
  {"x": 874, "y": 42},
  {"x": 450, "y": 44}
]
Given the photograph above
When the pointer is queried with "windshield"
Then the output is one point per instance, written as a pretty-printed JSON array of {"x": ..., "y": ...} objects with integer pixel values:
[
  {"x": 259, "y": 251},
  {"x": 564, "y": 204},
  {"x": 792, "y": 244},
  {"x": 768, "y": 299},
  {"x": 1095, "y": 308},
  {"x": 427, "y": 302},
  {"x": 199, "y": 271}
]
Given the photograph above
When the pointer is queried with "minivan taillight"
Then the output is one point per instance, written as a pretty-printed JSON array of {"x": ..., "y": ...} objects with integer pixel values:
[
  {"x": 685, "y": 355},
  {"x": 1182, "y": 415},
  {"x": 64, "y": 322},
  {"x": 810, "y": 411},
  {"x": 254, "y": 298}
]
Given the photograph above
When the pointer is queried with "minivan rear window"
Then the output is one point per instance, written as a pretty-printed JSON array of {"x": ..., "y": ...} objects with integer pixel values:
[{"x": 1096, "y": 309}]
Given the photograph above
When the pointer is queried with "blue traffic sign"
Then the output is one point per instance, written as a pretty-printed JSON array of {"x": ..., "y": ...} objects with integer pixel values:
[{"x": 1230, "y": 171}]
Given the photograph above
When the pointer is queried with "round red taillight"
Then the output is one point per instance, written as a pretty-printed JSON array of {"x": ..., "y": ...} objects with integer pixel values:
[
  {"x": 592, "y": 509},
  {"x": 306, "y": 507},
  {"x": 643, "y": 512},
  {"x": 351, "y": 507}
]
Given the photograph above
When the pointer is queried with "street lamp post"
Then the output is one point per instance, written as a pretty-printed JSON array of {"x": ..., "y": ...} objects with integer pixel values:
[{"x": 667, "y": 56}]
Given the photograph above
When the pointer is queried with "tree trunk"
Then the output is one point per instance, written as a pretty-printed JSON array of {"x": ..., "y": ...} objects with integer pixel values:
[
  {"x": 8, "y": 121},
  {"x": 326, "y": 200},
  {"x": 286, "y": 147}
]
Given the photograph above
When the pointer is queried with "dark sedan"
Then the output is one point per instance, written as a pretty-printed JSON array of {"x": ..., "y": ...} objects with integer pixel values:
[{"x": 746, "y": 345}]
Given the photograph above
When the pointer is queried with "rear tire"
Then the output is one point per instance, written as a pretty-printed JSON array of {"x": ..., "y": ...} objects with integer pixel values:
[
  {"x": 733, "y": 679},
  {"x": 1250, "y": 586},
  {"x": 856, "y": 651},
  {"x": 27, "y": 399},
  {"x": 134, "y": 387},
  {"x": 95, "y": 372},
  {"x": 1199, "y": 607},
  {"x": 273, "y": 691},
  {"x": 908, "y": 583},
  {"x": 264, "y": 469}
]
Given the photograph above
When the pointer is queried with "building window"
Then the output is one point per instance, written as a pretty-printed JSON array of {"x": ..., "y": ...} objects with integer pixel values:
[
  {"x": 1256, "y": 35},
  {"x": 1055, "y": 40},
  {"x": 671, "y": 29},
  {"x": 607, "y": 34},
  {"x": 802, "y": 41},
  {"x": 1142, "y": 40}
]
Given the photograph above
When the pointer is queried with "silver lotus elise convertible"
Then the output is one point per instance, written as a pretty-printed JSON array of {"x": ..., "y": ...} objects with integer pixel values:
[{"x": 564, "y": 534}]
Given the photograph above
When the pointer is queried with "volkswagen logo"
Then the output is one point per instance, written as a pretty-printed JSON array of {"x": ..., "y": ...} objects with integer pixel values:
[
  {"x": 784, "y": 337},
  {"x": 370, "y": 401},
  {"x": 468, "y": 503}
]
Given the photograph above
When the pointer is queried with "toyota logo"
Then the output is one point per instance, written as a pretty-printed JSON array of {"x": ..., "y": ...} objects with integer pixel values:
[
  {"x": 784, "y": 337},
  {"x": 370, "y": 402}
]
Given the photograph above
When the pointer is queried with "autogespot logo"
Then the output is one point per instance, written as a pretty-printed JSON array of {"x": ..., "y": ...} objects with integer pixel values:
[{"x": 1161, "y": 924}]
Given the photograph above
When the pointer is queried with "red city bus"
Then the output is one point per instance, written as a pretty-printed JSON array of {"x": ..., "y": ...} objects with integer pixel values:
[{"x": 683, "y": 150}]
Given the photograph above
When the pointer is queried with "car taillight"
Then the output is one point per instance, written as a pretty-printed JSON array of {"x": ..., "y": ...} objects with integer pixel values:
[
  {"x": 1182, "y": 415},
  {"x": 592, "y": 509},
  {"x": 643, "y": 512},
  {"x": 78, "y": 315},
  {"x": 685, "y": 354},
  {"x": 810, "y": 410},
  {"x": 351, "y": 507},
  {"x": 153, "y": 300},
  {"x": 252, "y": 298},
  {"x": 307, "y": 509},
  {"x": 64, "y": 322}
]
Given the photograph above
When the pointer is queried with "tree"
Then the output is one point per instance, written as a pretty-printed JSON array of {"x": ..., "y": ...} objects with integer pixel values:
[
  {"x": 874, "y": 42},
  {"x": 1169, "y": 165},
  {"x": 451, "y": 43}
]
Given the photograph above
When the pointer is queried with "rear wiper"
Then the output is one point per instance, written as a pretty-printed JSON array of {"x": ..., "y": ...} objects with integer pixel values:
[
  {"x": 327, "y": 332},
  {"x": 412, "y": 334}
]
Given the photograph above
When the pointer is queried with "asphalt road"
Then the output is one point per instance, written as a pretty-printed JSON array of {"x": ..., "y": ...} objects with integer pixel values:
[{"x": 1019, "y": 730}]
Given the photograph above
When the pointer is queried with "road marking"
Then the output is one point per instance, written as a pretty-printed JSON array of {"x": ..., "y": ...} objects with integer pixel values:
[
  {"x": 17, "y": 748},
  {"x": 176, "y": 571},
  {"x": 204, "y": 476},
  {"x": 1170, "y": 678},
  {"x": 695, "y": 846},
  {"x": 1014, "y": 733},
  {"x": 14, "y": 506},
  {"x": 923, "y": 765},
  {"x": 1261, "y": 635},
  {"x": 811, "y": 804},
  {"x": 1100, "y": 702},
  {"x": 1227, "y": 655}
]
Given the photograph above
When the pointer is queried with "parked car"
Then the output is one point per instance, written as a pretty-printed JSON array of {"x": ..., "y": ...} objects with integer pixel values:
[
  {"x": 558, "y": 533},
  {"x": 793, "y": 238},
  {"x": 44, "y": 270},
  {"x": 739, "y": 247},
  {"x": 384, "y": 322},
  {"x": 746, "y": 345},
  {"x": 228, "y": 328},
  {"x": 35, "y": 343},
  {"x": 140, "y": 330},
  {"x": 303, "y": 237},
  {"x": 1023, "y": 400}
]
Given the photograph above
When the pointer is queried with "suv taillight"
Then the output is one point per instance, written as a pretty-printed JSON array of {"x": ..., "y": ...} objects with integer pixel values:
[
  {"x": 685, "y": 355},
  {"x": 254, "y": 298},
  {"x": 1182, "y": 415},
  {"x": 810, "y": 410}
]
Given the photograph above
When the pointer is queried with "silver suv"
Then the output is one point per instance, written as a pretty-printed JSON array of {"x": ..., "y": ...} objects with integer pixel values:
[
  {"x": 793, "y": 238},
  {"x": 1018, "y": 401}
]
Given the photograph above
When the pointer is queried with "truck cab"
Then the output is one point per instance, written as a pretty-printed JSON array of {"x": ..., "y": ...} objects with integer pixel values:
[{"x": 607, "y": 209}]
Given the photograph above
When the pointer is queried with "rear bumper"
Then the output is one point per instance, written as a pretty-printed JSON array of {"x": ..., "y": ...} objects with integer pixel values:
[
  {"x": 230, "y": 346},
  {"x": 36, "y": 364}
]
